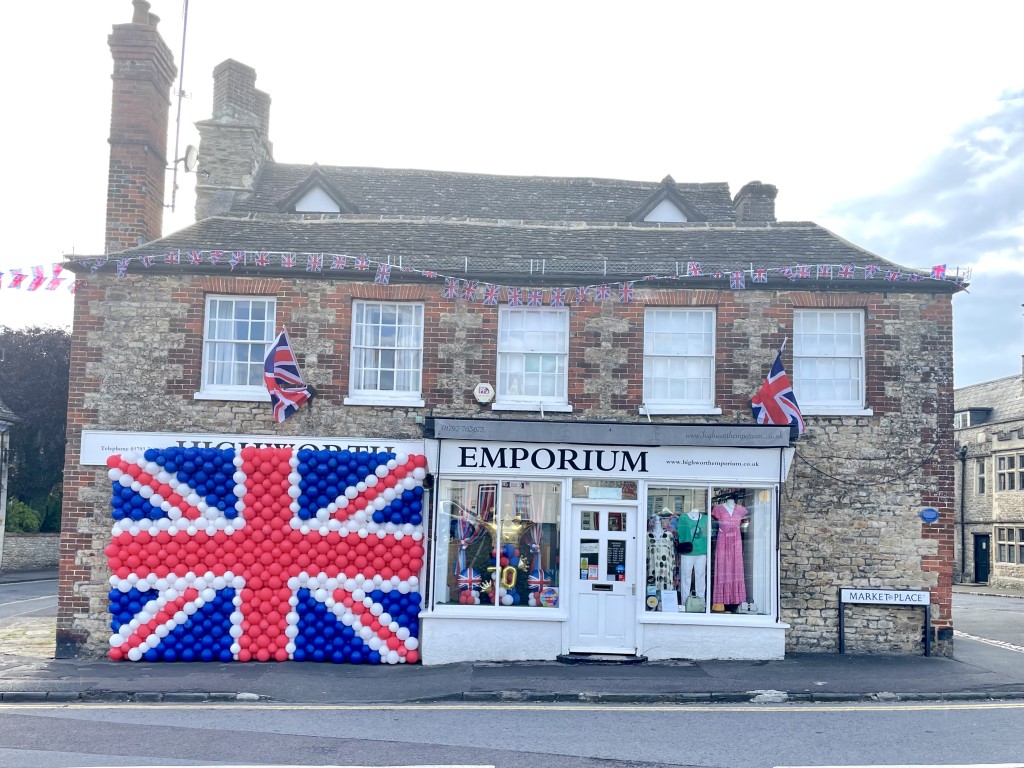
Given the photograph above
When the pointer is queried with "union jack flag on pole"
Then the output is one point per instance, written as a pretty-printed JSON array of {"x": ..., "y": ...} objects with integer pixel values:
[
  {"x": 775, "y": 402},
  {"x": 283, "y": 379}
]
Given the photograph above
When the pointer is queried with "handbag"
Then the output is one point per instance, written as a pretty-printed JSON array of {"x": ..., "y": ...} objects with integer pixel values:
[
  {"x": 694, "y": 604},
  {"x": 686, "y": 547}
]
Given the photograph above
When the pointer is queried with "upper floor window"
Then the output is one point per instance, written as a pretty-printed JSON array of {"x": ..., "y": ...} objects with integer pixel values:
[
  {"x": 387, "y": 353},
  {"x": 1009, "y": 545},
  {"x": 1010, "y": 472},
  {"x": 679, "y": 359},
  {"x": 533, "y": 353},
  {"x": 236, "y": 334},
  {"x": 979, "y": 477},
  {"x": 828, "y": 360}
]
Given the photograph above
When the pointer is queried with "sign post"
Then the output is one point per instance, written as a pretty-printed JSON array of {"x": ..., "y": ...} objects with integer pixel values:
[{"x": 869, "y": 596}]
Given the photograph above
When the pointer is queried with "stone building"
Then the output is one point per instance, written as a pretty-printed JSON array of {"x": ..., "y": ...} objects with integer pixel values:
[
  {"x": 989, "y": 435},
  {"x": 574, "y": 358}
]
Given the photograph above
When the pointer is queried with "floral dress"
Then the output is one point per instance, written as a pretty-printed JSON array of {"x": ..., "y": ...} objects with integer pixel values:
[{"x": 729, "y": 585}]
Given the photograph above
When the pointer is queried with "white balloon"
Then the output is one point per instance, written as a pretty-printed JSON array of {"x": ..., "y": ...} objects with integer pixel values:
[
  {"x": 372, "y": 480},
  {"x": 135, "y": 654},
  {"x": 114, "y": 474},
  {"x": 294, "y": 491},
  {"x": 116, "y": 641},
  {"x": 419, "y": 473},
  {"x": 239, "y": 478},
  {"x": 412, "y": 643},
  {"x": 402, "y": 633},
  {"x": 393, "y": 657},
  {"x": 351, "y": 492},
  {"x": 360, "y": 486},
  {"x": 381, "y": 471}
]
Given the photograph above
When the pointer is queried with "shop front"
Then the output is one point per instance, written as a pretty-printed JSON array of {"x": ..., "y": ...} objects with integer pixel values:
[{"x": 563, "y": 538}]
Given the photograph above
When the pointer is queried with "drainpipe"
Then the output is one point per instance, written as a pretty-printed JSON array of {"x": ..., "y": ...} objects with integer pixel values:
[{"x": 961, "y": 453}]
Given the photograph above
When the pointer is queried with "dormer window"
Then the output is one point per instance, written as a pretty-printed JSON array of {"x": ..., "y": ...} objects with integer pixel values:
[
  {"x": 316, "y": 194},
  {"x": 665, "y": 211},
  {"x": 666, "y": 205},
  {"x": 316, "y": 200}
]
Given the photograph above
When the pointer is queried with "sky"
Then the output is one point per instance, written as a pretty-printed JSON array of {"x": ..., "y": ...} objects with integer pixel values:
[{"x": 898, "y": 126}]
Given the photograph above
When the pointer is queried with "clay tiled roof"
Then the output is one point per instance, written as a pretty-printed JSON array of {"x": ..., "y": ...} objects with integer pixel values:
[
  {"x": 476, "y": 195},
  {"x": 461, "y": 247},
  {"x": 1005, "y": 398}
]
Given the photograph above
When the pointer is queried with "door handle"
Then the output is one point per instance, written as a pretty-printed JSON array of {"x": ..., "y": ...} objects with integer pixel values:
[{"x": 601, "y": 587}]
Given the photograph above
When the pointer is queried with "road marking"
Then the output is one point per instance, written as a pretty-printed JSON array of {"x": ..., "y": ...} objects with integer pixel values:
[
  {"x": 795, "y": 707},
  {"x": 996, "y": 643},
  {"x": 29, "y": 600},
  {"x": 913, "y": 765}
]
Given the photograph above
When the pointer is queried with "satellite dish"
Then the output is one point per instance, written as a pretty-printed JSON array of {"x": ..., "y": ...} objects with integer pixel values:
[{"x": 191, "y": 157}]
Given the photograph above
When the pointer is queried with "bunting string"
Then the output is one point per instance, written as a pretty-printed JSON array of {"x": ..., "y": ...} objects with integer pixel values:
[{"x": 479, "y": 291}]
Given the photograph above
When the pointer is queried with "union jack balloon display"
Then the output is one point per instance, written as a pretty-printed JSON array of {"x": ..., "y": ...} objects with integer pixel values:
[{"x": 266, "y": 554}]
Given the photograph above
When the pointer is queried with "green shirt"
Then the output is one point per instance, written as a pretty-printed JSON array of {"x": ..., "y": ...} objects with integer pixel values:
[{"x": 685, "y": 526}]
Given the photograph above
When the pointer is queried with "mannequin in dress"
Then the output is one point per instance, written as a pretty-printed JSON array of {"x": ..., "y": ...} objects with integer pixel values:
[
  {"x": 729, "y": 585},
  {"x": 693, "y": 527},
  {"x": 660, "y": 553}
]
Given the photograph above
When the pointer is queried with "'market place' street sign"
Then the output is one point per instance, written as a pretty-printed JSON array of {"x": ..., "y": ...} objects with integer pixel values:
[{"x": 886, "y": 596}]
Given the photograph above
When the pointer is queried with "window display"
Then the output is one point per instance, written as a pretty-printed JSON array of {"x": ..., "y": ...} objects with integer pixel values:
[
  {"x": 498, "y": 543},
  {"x": 713, "y": 547}
]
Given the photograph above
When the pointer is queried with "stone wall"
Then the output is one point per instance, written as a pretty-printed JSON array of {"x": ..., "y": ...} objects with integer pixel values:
[
  {"x": 28, "y": 551},
  {"x": 849, "y": 510}
]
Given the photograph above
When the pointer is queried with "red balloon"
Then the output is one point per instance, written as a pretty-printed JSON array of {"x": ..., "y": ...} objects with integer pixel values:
[
  {"x": 281, "y": 655},
  {"x": 113, "y": 461},
  {"x": 419, "y": 460},
  {"x": 412, "y": 656},
  {"x": 263, "y": 654},
  {"x": 116, "y": 653}
]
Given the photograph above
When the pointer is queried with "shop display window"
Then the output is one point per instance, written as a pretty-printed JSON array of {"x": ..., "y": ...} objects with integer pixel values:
[
  {"x": 498, "y": 543},
  {"x": 709, "y": 550}
]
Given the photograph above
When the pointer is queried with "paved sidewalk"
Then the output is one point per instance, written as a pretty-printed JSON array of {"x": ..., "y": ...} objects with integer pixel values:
[{"x": 824, "y": 677}]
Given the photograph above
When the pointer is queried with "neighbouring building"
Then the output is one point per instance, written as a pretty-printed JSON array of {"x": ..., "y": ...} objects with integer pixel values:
[
  {"x": 529, "y": 391},
  {"x": 989, "y": 435}
]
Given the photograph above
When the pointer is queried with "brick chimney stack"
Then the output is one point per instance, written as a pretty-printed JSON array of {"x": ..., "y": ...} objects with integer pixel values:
[
  {"x": 755, "y": 202},
  {"x": 234, "y": 142},
  {"x": 143, "y": 72}
]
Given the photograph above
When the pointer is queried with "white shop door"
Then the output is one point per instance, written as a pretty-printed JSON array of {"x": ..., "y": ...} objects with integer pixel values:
[{"x": 603, "y": 575}]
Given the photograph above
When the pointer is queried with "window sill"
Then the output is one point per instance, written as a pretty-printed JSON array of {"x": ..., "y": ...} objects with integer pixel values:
[
  {"x": 538, "y": 407},
  {"x": 667, "y": 410},
  {"x": 713, "y": 619},
  {"x": 405, "y": 402},
  {"x": 495, "y": 613},
  {"x": 834, "y": 410},
  {"x": 244, "y": 395}
]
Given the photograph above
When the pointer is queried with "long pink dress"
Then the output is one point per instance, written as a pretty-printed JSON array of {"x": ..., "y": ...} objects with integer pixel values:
[{"x": 729, "y": 586}]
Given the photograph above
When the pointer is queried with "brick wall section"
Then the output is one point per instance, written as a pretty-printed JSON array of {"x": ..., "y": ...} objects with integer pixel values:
[
  {"x": 27, "y": 551},
  {"x": 143, "y": 72},
  {"x": 849, "y": 510}
]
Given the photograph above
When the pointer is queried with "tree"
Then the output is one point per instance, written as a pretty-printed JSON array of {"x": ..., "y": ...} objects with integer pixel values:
[{"x": 34, "y": 367}]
